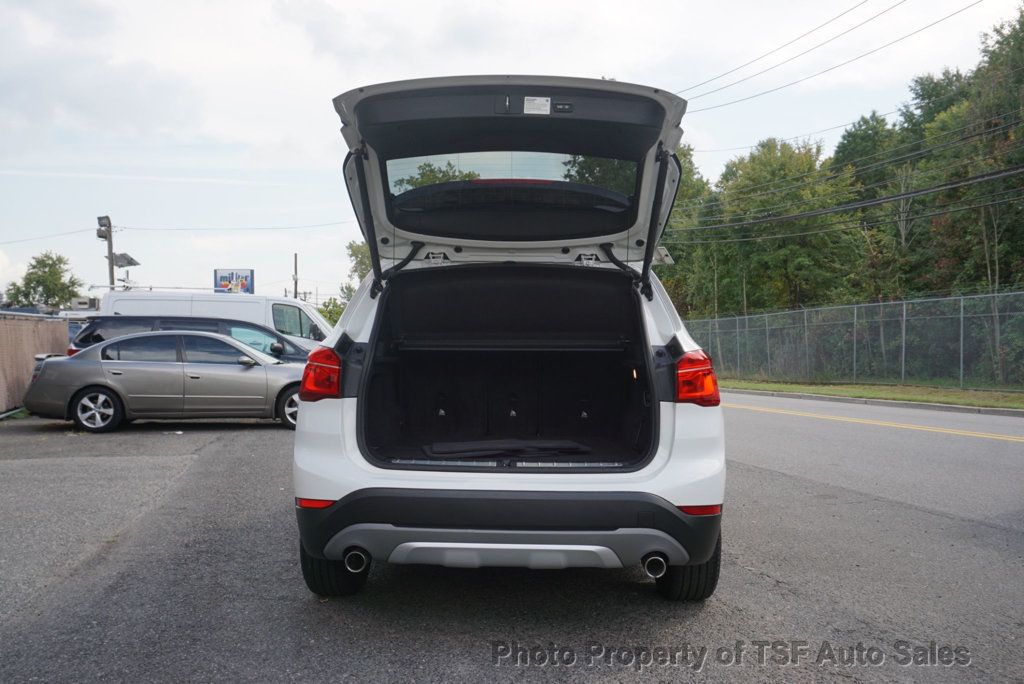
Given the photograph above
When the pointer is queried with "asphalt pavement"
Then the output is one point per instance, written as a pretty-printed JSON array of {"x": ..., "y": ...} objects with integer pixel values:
[{"x": 168, "y": 552}]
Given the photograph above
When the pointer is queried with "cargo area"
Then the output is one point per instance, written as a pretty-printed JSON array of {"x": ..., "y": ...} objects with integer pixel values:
[{"x": 508, "y": 366}]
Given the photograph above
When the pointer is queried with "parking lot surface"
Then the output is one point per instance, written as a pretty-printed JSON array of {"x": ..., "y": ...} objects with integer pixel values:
[{"x": 168, "y": 552}]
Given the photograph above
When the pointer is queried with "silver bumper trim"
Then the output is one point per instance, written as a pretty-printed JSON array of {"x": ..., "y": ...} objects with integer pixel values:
[{"x": 538, "y": 549}]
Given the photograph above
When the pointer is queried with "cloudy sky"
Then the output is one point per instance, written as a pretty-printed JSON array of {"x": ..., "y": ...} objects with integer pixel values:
[{"x": 216, "y": 115}]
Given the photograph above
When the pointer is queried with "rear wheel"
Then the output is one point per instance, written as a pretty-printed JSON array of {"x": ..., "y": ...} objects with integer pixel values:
[
  {"x": 330, "y": 578},
  {"x": 692, "y": 582},
  {"x": 96, "y": 409},
  {"x": 288, "y": 407}
]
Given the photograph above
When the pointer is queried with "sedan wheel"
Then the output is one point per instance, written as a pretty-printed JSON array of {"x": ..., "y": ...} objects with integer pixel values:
[
  {"x": 97, "y": 410},
  {"x": 288, "y": 408}
]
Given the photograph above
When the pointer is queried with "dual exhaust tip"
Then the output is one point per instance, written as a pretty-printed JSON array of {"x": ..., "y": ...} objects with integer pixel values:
[
  {"x": 655, "y": 565},
  {"x": 356, "y": 560}
]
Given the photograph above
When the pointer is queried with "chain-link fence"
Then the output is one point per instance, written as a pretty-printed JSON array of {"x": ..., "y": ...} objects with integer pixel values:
[{"x": 971, "y": 342}]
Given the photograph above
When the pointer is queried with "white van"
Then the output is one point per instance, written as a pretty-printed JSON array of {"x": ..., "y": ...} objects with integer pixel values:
[{"x": 293, "y": 318}]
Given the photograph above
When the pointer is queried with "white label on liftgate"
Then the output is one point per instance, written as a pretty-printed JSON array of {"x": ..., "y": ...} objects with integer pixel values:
[{"x": 536, "y": 105}]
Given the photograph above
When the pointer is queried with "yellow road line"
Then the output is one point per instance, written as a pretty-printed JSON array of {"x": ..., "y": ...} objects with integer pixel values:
[{"x": 882, "y": 423}]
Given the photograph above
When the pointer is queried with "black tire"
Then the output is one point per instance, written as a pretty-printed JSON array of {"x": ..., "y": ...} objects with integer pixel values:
[
  {"x": 287, "y": 409},
  {"x": 97, "y": 409},
  {"x": 330, "y": 578},
  {"x": 692, "y": 582}
]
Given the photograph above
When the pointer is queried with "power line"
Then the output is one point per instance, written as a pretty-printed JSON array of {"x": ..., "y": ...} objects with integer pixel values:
[
  {"x": 51, "y": 235},
  {"x": 836, "y": 66},
  {"x": 861, "y": 204},
  {"x": 858, "y": 169},
  {"x": 794, "y": 137},
  {"x": 213, "y": 229},
  {"x": 950, "y": 96},
  {"x": 800, "y": 54},
  {"x": 852, "y": 224},
  {"x": 774, "y": 50},
  {"x": 961, "y": 162},
  {"x": 844, "y": 221}
]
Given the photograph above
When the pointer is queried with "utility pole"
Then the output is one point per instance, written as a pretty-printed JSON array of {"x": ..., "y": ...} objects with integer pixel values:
[
  {"x": 295, "y": 278},
  {"x": 106, "y": 232}
]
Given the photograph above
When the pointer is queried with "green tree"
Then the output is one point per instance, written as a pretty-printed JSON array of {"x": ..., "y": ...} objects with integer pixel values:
[
  {"x": 866, "y": 144},
  {"x": 694, "y": 190},
  {"x": 612, "y": 174},
  {"x": 332, "y": 310},
  {"x": 931, "y": 95},
  {"x": 428, "y": 173},
  {"x": 359, "y": 258},
  {"x": 737, "y": 267},
  {"x": 48, "y": 282},
  {"x": 359, "y": 266}
]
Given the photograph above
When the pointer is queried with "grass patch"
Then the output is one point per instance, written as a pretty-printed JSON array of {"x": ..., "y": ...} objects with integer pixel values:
[
  {"x": 13, "y": 415},
  {"x": 933, "y": 395}
]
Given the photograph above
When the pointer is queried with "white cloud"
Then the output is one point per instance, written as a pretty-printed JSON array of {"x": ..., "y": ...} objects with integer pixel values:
[
  {"x": 195, "y": 113},
  {"x": 9, "y": 271}
]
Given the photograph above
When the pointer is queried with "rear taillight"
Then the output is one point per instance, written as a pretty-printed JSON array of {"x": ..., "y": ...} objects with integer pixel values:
[
  {"x": 695, "y": 380},
  {"x": 314, "y": 503},
  {"x": 715, "y": 509},
  {"x": 321, "y": 379},
  {"x": 72, "y": 351}
]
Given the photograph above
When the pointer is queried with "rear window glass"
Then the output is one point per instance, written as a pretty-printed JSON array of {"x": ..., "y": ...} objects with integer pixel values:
[
  {"x": 101, "y": 331},
  {"x": 160, "y": 348},
  {"x": 616, "y": 175}
]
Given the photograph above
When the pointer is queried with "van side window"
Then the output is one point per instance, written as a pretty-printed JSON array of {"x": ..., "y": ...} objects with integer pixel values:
[
  {"x": 103, "y": 330},
  {"x": 291, "y": 320},
  {"x": 253, "y": 337},
  {"x": 188, "y": 324}
]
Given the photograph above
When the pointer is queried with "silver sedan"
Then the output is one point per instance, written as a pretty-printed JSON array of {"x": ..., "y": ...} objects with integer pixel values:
[{"x": 164, "y": 375}]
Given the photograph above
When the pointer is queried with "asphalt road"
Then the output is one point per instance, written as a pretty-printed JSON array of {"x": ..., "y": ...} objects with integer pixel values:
[{"x": 153, "y": 555}]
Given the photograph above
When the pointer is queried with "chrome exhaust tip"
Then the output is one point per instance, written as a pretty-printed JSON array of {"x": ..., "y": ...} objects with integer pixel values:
[
  {"x": 356, "y": 560},
  {"x": 655, "y": 565}
]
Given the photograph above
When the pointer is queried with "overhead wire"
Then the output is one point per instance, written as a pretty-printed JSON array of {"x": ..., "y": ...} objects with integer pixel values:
[
  {"x": 852, "y": 223},
  {"x": 774, "y": 50},
  {"x": 837, "y": 66},
  {"x": 862, "y": 204},
  {"x": 799, "y": 54}
]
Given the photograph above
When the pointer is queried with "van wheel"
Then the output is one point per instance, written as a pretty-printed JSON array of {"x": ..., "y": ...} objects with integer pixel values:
[
  {"x": 330, "y": 578},
  {"x": 96, "y": 409},
  {"x": 288, "y": 407},
  {"x": 692, "y": 582}
]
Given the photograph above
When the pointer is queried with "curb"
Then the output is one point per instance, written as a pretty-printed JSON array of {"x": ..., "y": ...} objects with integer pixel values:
[
  {"x": 952, "y": 408},
  {"x": 12, "y": 412}
]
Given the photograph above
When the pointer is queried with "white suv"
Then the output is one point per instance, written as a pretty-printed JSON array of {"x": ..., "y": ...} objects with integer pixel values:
[{"x": 511, "y": 385}]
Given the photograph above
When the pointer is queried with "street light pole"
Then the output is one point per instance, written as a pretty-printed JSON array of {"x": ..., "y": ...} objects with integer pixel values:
[{"x": 106, "y": 232}]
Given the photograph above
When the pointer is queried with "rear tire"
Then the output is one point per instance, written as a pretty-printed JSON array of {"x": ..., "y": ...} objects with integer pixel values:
[
  {"x": 97, "y": 409},
  {"x": 692, "y": 582},
  {"x": 288, "y": 407},
  {"x": 330, "y": 578}
]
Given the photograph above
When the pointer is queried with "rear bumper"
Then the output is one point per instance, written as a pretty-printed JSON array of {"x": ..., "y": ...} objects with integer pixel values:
[
  {"x": 46, "y": 404},
  {"x": 536, "y": 529}
]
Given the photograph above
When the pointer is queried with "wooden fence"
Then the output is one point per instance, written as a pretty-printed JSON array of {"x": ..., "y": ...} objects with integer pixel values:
[{"x": 21, "y": 338}]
